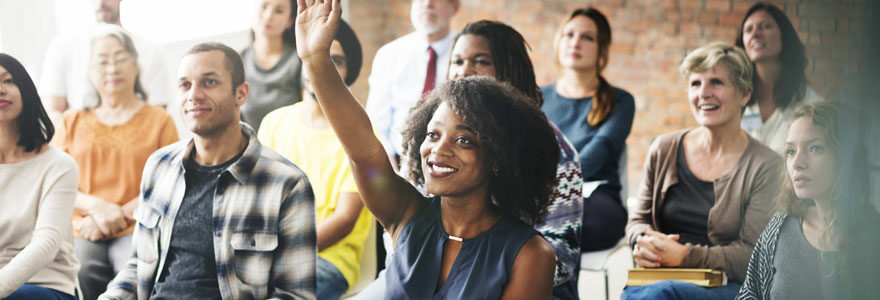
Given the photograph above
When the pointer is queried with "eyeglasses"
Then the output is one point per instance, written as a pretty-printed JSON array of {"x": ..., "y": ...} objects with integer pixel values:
[
  {"x": 117, "y": 62},
  {"x": 339, "y": 60}
]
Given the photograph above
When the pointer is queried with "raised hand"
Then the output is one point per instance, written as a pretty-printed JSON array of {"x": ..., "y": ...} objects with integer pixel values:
[{"x": 316, "y": 23}]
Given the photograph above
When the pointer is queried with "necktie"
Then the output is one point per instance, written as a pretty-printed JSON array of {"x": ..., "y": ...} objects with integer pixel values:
[{"x": 432, "y": 71}]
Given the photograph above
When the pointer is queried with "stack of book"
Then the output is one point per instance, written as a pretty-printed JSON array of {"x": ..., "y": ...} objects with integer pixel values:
[{"x": 701, "y": 277}]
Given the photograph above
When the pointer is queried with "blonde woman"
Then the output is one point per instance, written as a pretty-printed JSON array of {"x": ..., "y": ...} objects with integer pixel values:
[{"x": 706, "y": 191}]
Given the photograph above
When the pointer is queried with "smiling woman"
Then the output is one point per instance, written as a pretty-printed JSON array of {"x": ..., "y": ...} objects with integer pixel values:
[
  {"x": 780, "y": 81},
  {"x": 706, "y": 192},
  {"x": 484, "y": 151}
]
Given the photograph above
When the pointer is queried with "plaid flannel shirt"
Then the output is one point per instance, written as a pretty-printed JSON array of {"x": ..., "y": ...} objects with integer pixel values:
[{"x": 264, "y": 226}]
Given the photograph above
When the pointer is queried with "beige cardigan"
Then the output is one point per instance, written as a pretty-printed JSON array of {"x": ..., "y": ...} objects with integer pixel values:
[{"x": 743, "y": 200}]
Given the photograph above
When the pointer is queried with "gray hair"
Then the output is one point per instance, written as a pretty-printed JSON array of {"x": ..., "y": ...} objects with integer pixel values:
[{"x": 103, "y": 30}]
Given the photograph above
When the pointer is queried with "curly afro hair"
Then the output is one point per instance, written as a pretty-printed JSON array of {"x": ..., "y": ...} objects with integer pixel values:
[{"x": 512, "y": 132}]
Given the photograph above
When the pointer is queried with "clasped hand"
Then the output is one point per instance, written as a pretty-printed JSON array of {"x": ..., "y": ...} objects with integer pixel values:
[
  {"x": 105, "y": 219},
  {"x": 654, "y": 249}
]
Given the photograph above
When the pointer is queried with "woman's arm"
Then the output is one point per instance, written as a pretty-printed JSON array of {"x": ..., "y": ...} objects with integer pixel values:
[
  {"x": 532, "y": 272},
  {"x": 52, "y": 225},
  {"x": 759, "y": 274},
  {"x": 610, "y": 138},
  {"x": 641, "y": 217},
  {"x": 389, "y": 197}
]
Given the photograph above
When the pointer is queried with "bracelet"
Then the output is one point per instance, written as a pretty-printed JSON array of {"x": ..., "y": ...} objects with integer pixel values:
[{"x": 636, "y": 240}]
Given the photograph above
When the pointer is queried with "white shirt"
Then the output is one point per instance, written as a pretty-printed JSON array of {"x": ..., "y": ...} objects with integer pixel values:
[
  {"x": 397, "y": 80},
  {"x": 773, "y": 131},
  {"x": 66, "y": 71}
]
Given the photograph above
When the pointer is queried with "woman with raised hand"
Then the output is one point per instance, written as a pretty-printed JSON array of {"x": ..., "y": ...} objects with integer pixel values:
[
  {"x": 780, "y": 81},
  {"x": 301, "y": 133},
  {"x": 706, "y": 191},
  {"x": 111, "y": 143},
  {"x": 491, "y": 48},
  {"x": 37, "y": 192},
  {"x": 465, "y": 142},
  {"x": 271, "y": 66},
  {"x": 596, "y": 116}
]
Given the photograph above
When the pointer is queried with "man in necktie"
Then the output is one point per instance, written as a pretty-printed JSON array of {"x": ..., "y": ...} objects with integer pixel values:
[{"x": 408, "y": 67}]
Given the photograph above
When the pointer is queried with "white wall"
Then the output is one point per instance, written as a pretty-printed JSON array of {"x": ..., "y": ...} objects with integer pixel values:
[{"x": 26, "y": 27}]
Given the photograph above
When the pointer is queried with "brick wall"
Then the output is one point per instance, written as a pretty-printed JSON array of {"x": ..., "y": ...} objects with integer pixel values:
[{"x": 650, "y": 39}]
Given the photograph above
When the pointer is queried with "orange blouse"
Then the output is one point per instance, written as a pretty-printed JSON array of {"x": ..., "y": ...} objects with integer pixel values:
[{"x": 111, "y": 158}]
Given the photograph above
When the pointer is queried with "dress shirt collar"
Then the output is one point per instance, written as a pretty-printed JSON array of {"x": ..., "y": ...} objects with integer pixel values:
[{"x": 441, "y": 46}]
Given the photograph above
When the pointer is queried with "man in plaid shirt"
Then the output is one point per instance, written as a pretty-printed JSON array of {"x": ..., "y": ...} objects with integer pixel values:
[{"x": 220, "y": 216}]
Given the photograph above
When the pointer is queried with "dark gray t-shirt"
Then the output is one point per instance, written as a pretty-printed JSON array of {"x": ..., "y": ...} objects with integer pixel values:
[
  {"x": 270, "y": 89},
  {"x": 190, "y": 270},
  {"x": 687, "y": 204},
  {"x": 802, "y": 272}
]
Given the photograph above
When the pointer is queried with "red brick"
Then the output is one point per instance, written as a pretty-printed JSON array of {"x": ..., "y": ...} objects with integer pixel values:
[
  {"x": 718, "y": 5},
  {"x": 691, "y": 4},
  {"x": 731, "y": 19},
  {"x": 707, "y": 18},
  {"x": 741, "y": 7}
]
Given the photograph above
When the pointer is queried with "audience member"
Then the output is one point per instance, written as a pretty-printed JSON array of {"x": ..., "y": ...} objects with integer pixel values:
[
  {"x": 780, "y": 81},
  {"x": 37, "y": 260},
  {"x": 495, "y": 49},
  {"x": 408, "y": 67},
  {"x": 110, "y": 142},
  {"x": 220, "y": 216},
  {"x": 486, "y": 184},
  {"x": 63, "y": 85},
  {"x": 302, "y": 134},
  {"x": 596, "y": 116},
  {"x": 271, "y": 66},
  {"x": 707, "y": 191},
  {"x": 796, "y": 256}
]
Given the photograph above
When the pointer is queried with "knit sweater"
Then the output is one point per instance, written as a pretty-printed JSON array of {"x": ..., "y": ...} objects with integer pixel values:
[{"x": 36, "y": 243}]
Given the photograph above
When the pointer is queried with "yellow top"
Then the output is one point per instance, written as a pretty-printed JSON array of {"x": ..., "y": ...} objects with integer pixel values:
[{"x": 320, "y": 155}]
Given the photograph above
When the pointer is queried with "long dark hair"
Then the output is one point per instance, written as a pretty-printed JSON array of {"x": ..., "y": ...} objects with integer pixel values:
[
  {"x": 353, "y": 53},
  {"x": 34, "y": 127},
  {"x": 603, "y": 101},
  {"x": 514, "y": 136},
  {"x": 793, "y": 80},
  {"x": 509, "y": 54}
]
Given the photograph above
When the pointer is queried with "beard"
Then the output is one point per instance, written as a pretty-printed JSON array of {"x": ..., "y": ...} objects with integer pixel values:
[
  {"x": 107, "y": 15},
  {"x": 422, "y": 25}
]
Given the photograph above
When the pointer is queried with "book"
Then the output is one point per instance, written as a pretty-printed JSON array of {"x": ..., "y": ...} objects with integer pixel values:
[{"x": 701, "y": 277}]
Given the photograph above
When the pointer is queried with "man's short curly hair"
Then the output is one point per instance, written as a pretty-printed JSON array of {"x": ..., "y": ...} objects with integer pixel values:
[{"x": 512, "y": 132}]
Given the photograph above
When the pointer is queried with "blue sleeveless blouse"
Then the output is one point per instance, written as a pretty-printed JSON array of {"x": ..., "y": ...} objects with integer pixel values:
[{"x": 481, "y": 270}]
